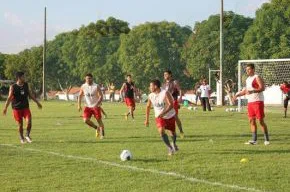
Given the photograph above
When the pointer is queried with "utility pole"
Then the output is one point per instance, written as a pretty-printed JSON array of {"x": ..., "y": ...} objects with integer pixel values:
[
  {"x": 221, "y": 99},
  {"x": 44, "y": 60}
]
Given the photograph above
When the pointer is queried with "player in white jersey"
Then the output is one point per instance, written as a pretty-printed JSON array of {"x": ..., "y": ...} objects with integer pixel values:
[
  {"x": 254, "y": 92},
  {"x": 93, "y": 99},
  {"x": 162, "y": 102}
]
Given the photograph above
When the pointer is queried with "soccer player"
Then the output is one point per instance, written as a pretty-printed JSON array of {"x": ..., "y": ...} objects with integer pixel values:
[
  {"x": 18, "y": 96},
  {"x": 285, "y": 88},
  {"x": 129, "y": 90},
  {"x": 93, "y": 98},
  {"x": 205, "y": 95},
  {"x": 254, "y": 92},
  {"x": 162, "y": 102},
  {"x": 173, "y": 87}
]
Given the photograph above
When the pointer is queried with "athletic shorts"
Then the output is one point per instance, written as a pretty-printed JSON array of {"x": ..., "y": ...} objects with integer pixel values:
[
  {"x": 256, "y": 110},
  {"x": 176, "y": 106},
  {"x": 19, "y": 114},
  {"x": 168, "y": 124},
  {"x": 129, "y": 102},
  {"x": 95, "y": 111},
  {"x": 286, "y": 102}
]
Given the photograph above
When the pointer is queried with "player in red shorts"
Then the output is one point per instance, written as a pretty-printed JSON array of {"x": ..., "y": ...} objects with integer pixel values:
[
  {"x": 18, "y": 95},
  {"x": 129, "y": 89},
  {"x": 285, "y": 88},
  {"x": 254, "y": 92},
  {"x": 173, "y": 87},
  {"x": 93, "y": 98},
  {"x": 162, "y": 102}
]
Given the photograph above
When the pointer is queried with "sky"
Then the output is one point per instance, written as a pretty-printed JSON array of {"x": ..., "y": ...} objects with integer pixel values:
[{"x": 21, "y": 21}]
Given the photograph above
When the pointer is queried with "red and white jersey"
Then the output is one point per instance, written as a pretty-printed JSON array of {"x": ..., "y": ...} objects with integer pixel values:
[
  {"x": 90, "y": 93},
  {"x": 251, "y": 84},
  {"x": 159, "y": 104}
]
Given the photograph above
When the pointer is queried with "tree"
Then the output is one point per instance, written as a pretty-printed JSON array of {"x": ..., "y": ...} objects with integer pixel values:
[
  {"x": 269, "y": 36},
  {"x": 2, "y": 67},
  {"x": 151, "y": 48},
  {"x": 201, "y": 51}
]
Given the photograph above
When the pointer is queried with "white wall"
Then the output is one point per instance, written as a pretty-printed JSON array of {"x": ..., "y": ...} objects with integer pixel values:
[{"x": 273, "y": 95}]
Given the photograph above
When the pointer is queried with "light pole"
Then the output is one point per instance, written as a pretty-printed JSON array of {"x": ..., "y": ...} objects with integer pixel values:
[{"x": 220, "y": 102}]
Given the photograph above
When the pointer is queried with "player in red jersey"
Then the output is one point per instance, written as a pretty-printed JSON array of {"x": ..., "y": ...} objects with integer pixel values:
[
  {"x": 18, "y": 96},
  {"x": 285, "y": 88}
]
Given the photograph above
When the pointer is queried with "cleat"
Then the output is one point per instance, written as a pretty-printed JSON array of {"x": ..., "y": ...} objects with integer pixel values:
[
  {"x": 28, "y": 139},
  {"x": 101, "y": 137},
  {"x": 267, "y": 143},
  {"x": 175, "y": 148},
  {"x": 251, "y": 143},
  {"x": 22, "y": 141},
  {"x": 126, "y": 116},
  {"x": 97, "y": 132},
  {"x": 170, "y": 151}
]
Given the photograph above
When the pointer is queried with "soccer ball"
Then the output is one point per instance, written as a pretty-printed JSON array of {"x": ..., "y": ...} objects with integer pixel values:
[
  {"x": 126, "y": 155},
  {"x": 227, "y": 109}
]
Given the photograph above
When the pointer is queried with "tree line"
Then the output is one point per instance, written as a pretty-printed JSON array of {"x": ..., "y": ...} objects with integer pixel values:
[{"x": 109, "y": 49}]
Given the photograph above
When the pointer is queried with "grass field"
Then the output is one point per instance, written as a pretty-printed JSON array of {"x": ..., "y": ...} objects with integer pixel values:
[{"x": 65, "y": 156}]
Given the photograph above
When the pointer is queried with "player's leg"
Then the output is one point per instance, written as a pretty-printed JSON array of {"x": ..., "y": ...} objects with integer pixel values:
[
  {"x": 203, "y": 103},
  {"x": 87, "y": 118},
  {"x": 170, "y": 126},
  {"x": 285, "y": 106},
  {"x": 132, "y": 109},
  {"x": 18, "y": 116},
  {"x": 265, "y": 131},
  {"x": 161, "y": 130},
  {"x": 103, "y": 112},
  {"x": 179, "y": 125},
  {"x": 253, "y": 127},
  {"x": 27, "y": 117},
  {"x": 207, "y": 104},
  {"x": 102, "y": 127}
]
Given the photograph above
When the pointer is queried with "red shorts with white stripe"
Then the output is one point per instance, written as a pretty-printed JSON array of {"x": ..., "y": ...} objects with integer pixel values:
[
  {"x": 95, "y": 111},
  {"x": 19, "y": 114},
  {"x": 256, "y": 110},
  {"x": 168, "y": 124}
]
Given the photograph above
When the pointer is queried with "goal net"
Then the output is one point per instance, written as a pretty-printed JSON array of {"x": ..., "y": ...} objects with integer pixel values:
[{"x": 273, "y": 72}]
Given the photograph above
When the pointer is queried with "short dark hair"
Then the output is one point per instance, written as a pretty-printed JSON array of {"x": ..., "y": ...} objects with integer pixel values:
[
  {"x": 168, "y": 71},
  {"x": 89, "y": 75},
  {"x": 128, "y": 75},
  {"x": 251, "y": 65},
  {"x": 285, "y": 82},
  {"x": 156, "y": 82},
  {"x": 19, "y": 74}
]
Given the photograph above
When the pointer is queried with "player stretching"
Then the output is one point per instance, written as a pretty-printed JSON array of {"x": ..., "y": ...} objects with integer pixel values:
[
  {"x": 172, "y": 86},
  {"x": 93, "y": 98},
  {"x": 285, "y": 88},
  {"x": 129, "y": 89},
  {"x": 162, "y": 102},
  {"x": 254, "y": 91},
  {"x": 18, "y": 95}
]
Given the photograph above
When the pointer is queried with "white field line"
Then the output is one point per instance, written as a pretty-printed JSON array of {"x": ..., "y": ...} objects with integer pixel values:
[{"x": 139, "y": 169}]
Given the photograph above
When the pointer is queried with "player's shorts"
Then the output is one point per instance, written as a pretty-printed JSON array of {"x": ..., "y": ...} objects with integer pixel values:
[
  {"x": 287, "y": 98},
  {"x": 168, "y": 124},
  {"x": 130, "y": 102},
  {"x": 95, "y": 111},
  {"x": 256, "y": 110},
  {"x": 19, "y": 114},
  {"x": 176, "y": 106}
]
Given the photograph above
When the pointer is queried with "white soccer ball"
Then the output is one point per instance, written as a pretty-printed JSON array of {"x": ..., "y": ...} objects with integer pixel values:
[
  {"x": 227, "y": 109},
  {"x": 126, "y": 155}
]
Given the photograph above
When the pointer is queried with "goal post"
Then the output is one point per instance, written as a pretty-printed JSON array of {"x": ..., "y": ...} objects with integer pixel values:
[{"x": 273, "y": 72}]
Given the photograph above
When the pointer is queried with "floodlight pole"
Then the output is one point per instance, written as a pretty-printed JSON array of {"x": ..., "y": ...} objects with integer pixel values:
[
  {"x": 44, "y": 60},
  {"x": 220, "y": 102}
]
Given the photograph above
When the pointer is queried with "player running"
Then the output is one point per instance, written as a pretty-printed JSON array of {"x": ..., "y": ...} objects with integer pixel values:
[
  {"x": 93, "y": 98},
  {"x": 285, "y": 88},
  {"x": 129, "y": 90},
  {"x": 173, "y": 87},
  {"x": 162, "y": 102},
  {"x": 254, "y": 92},
  {"x": 18, "y": 96}
]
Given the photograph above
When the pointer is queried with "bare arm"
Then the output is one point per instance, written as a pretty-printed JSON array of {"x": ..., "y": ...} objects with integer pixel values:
[
  {"x": 122, "y": 88},
  {"x": 177, "y": 86},
  {"x": 31, "y": 96},
  {"x": 8, "y": 101},
  {"x": 148, "y": 107},
  {"x": 80, "y": 99},
  {"x": 169, "y": 102},
  {"x": 100, "y": 96}
]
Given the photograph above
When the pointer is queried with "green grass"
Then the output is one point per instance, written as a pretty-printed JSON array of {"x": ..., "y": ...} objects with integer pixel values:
[{"x": 211, "y": 151}]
